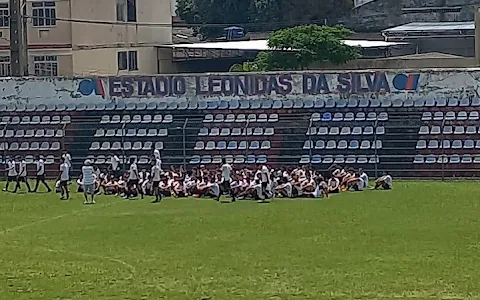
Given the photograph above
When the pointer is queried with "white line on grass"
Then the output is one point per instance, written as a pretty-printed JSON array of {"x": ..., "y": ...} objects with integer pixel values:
[
  {"x": 130, "y": 267},
  {"x": 40, "y": 221}
]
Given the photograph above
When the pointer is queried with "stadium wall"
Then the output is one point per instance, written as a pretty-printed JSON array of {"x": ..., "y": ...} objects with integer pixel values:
[
  {"x": 306, "y": 85},
  {"x": 412, "y": 123}
]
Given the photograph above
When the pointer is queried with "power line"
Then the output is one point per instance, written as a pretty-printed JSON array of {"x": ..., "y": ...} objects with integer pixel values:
[{"x": 143, "y": 24}]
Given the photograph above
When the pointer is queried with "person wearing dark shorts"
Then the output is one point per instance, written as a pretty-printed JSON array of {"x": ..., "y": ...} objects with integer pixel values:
[
  {"x": 64, "y": 178},
  {"x": 156, "y": 177},
  {"x": 133, "y": 187},
  {"x": 22, "y": 176},
  {"x": 40, "y": 164},
  {"x": 12, "y": 173}
]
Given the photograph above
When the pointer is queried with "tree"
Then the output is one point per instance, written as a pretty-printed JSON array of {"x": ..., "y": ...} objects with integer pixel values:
[
  {"x": 259, "y": 15},
  {"x": 298, "y": 47},
  {"x": 277, "y": 14},
  {"x": 205, "y": 12}
]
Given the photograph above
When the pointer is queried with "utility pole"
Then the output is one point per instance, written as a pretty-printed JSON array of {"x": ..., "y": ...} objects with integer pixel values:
[
  {"x": 477, "y": 34},
  {"x": 18, "y": 38}
]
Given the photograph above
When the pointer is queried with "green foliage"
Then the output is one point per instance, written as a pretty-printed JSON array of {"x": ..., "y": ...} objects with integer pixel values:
[
  {"x": 206, "y": 12},
  {"x": 259, "y": 15},
  {"x": 311, "y": 43},
  {"x": 245, "y": 67}
]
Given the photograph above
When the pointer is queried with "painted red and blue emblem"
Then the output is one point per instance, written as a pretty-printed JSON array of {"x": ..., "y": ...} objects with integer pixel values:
[
  {"x": 87, "y": 87},
  {"x": 406, "y": 82}
]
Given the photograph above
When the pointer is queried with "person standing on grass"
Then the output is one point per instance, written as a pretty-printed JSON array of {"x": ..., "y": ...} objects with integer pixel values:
[
  {"x": 40, "y": 164},
  {"x": 12, "y": 172},
  {"x": 156, "y": 178},
  {"x": 133, "y": 187},
  {"x": 64, "y": 177},
  {"x": 115, "y": 166},
  {"x": 88, "y": 182},
  {"x": 226, "y": 170},
  {"x": 67, "y": 159},
  {"x": 22, "y": 175}
]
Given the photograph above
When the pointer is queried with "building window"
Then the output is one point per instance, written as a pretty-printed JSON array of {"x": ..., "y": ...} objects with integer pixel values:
[
  {"x": 127, "y": 60},
  {"x": 4, "y": 15},
  {"x": 44, "y": 14},
  {"x": 5, "y": 70},
  {"x": 126, "y": 10},
  {"x": 46, "y": 65}
]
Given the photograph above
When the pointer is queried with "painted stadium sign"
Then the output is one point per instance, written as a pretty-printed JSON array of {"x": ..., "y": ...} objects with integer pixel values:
[
  {"x": 254, "y": 86},
  {"x": 228, "y": 85}
]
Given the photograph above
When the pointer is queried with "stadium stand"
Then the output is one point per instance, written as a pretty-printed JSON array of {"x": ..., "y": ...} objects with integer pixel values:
[{"x": 405, "y": 136}]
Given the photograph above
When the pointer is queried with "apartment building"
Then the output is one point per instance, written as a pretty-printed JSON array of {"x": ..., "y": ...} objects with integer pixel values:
[{"x": 92, "y": 37}]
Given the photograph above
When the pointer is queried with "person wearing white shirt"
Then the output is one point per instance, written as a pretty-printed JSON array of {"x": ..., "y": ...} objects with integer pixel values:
[
  {"x": 133, "y": 180},
  {"x": 265, "y": 178},
  {"x": 22, "y": 175},
  {"x": 226, "y": 170},
  {"x": 384, "y": 182},
  {"x": 157, "y": 158},
  {"x": 40, "y": 167},
  {"x": 156, "y": 178},
  {"x": 64, "y": 177},
  {"x": 12, "y": 173},
  {"x": 67, "y": 158},
  {"x": 364, "y": 178},
  {"x": 88, "y": 177},
  {"x": 115, "y": 165}
]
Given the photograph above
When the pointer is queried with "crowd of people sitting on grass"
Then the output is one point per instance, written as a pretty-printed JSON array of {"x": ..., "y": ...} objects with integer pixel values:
[{"x": 261, "y": 183}]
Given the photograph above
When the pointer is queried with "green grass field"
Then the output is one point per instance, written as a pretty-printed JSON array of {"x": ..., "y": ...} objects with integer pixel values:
[{"x": 420, "y": 240}]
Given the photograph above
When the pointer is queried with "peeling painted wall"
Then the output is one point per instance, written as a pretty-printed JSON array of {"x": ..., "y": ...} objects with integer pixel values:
[{"x": 254, "y": 86}]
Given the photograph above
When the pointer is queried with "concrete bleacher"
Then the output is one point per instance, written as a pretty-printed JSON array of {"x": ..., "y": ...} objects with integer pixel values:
[{"x": 408, "y": 135}]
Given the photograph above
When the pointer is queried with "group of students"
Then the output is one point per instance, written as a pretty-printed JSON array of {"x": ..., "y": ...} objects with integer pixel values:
[
  {"x": 261, "y": 183},
  {"x": 17, "y": 172}
]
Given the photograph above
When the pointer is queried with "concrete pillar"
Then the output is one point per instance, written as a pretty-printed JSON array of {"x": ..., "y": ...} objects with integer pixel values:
[{"x": 477, "y": 35}]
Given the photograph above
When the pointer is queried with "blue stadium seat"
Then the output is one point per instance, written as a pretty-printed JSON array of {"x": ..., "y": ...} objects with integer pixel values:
[
  {"x": 254, "y": 145},
  {"x": 316, "y": 159},
  {"x": 232, "y": 145},
  {"x": 452, "y": 102},
  {"x": 327, "y": 117},
  {"x": 353, "y": 145},
  {"x": 455, "y": 159},
  {"x": 431, "y": 159},
  {"x": 195, "y": 160},
  {"x": 267, "y": 104}
]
